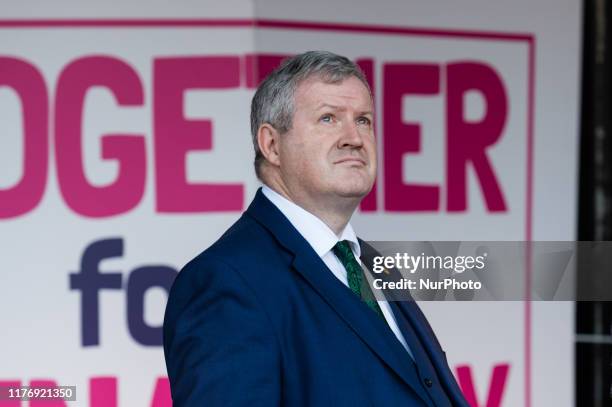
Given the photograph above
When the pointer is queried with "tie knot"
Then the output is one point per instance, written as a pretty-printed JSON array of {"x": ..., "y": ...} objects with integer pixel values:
[{"x": 343, "y": 251}]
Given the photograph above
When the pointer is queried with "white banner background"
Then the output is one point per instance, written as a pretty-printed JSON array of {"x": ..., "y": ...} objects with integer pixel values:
[{"x": 39, "y": 250}]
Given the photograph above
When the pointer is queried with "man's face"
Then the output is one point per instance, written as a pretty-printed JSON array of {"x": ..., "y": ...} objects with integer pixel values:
[{"x": 330, "y": 151}]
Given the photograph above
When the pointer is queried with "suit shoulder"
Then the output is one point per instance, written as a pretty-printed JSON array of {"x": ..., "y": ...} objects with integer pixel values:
[{"x": 247, "y": 247}]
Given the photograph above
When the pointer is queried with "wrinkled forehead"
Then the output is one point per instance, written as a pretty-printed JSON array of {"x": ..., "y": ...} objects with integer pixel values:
[{"x": 349, "y": 92}]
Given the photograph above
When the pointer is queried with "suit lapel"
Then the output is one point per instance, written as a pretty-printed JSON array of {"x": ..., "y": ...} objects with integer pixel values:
[
  {"x": 355, "y": 313},
  {"x": 406, "y": 311}
]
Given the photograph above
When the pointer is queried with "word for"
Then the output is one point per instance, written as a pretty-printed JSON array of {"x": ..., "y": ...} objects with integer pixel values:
[{"x": 90, "y": 281}]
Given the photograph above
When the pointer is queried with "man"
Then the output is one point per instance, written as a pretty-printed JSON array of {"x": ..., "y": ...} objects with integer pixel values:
[{"x": 275, "y": 312}]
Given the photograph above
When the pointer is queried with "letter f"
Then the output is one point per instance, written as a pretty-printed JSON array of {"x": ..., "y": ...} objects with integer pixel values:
[{"x": 89, "y": 280}]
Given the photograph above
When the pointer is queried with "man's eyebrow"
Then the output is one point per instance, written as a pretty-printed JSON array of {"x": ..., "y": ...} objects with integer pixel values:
[
  {"x": 340, "y": 108},
  {"x": 327, "y": 105}
]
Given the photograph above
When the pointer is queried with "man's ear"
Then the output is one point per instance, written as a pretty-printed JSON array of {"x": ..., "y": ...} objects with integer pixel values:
[{"x": 268, "y": 141}]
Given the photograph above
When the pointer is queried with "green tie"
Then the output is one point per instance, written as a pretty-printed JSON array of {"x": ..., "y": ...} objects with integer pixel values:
[{"x": 356, "y": 280}]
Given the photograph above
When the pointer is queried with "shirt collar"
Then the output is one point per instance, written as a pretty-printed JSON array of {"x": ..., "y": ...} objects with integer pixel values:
[{"x": 314, "y": 230}]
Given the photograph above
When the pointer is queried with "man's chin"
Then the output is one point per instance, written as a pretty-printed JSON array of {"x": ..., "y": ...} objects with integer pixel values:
[{"x": 356, "y": 191}]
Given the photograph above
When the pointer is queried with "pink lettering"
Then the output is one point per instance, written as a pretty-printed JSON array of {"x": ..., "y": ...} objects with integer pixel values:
[
  {"x": 29, "y": 84},
  {"x": 368, "y": 204},
  {"x": 401, "y": 138},
  {"x": 161, "y": 395},
  {"x": 5, "y": 401},
  {"x": 127, "y": 190},
  {"x": 103, "y": 392},
  {"x": 467, "y": 142},
  {"x": 496, "y": 386},
  {"x": 175, "y": 136},
  {"x": 258, "y": 66},
  {"x": 45, "y": 402}
]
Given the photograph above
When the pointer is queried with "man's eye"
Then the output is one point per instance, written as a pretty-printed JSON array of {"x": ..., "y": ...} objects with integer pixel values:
[
  {"x": 327, "y": 118},
  {"x": 364, "y": 121}
]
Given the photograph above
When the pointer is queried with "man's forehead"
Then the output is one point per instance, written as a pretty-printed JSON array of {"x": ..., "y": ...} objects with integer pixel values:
[{"x": 318, "y": 93}]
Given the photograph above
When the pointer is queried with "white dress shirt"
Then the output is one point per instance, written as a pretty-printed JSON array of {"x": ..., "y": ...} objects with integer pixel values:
[{"x": 322, "y": 239}]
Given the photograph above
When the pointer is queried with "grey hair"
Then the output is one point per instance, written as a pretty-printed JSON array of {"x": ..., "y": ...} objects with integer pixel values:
[{"x": 273, "y": 102}]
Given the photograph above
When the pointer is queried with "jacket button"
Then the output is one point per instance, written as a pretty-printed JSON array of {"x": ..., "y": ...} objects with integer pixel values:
[{"x": 428, "y": 382}]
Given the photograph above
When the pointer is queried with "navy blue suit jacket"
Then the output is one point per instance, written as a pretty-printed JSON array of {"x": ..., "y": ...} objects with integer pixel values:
[{"x": 258, "y": 319}]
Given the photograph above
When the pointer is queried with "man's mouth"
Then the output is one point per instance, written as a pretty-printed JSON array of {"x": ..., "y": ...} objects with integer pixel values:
[{"x": 351, "y": 160}]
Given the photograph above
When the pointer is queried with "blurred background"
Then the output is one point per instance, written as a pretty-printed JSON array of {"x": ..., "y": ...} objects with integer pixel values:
[{"x": 125, "y": 150}]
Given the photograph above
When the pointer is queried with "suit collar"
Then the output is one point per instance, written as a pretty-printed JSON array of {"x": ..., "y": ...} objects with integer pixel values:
[
  {"x": 355, "y": 313},
  {"x": 313, "y": 229},
  {"x": 270, "y": 217}
]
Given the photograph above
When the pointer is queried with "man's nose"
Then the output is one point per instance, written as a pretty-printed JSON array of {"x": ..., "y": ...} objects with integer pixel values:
[{"x": 351, "y": 136}]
